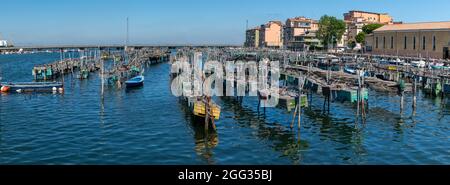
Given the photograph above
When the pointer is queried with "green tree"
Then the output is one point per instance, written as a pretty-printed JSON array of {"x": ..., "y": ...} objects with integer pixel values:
[
  {"x": 368, "y": 29},
  {"x": 330, "y": 30},
  {"x": 351, "y": 44},
  {"x": 361, "y": 37}
]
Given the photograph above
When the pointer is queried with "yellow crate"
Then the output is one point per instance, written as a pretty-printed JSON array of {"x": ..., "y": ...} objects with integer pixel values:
[{"x": 199, "y": 110}]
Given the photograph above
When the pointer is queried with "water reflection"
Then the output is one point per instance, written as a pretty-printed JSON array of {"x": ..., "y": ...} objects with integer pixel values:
[
  {"x": 283, "y": 139},
  {"x": 339, "y": 130},
  {"x": 205, "y": 140}
]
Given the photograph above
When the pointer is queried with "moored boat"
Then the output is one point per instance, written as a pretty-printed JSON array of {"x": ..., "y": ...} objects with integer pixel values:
[
  {"x": 350, "y": 70},
  {"x": 419, "y": 64},
  {"x": 135, "y": 82}
]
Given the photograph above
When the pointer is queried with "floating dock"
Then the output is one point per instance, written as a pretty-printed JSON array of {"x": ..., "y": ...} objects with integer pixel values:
[{"x": 32, "y": 87}]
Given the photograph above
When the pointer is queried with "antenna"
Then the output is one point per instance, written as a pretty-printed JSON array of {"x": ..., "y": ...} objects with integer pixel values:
[
  {"x": 128, "y": 38},
  {"x": 246, "y": 25}
]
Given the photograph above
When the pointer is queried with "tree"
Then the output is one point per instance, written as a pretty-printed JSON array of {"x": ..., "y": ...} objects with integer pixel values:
[
  {"x": 330, "y": 30},
  {"x": 361, "y": 37},
  {"x": 368, "y": 29},
  {"x": 351, "y": 44}
]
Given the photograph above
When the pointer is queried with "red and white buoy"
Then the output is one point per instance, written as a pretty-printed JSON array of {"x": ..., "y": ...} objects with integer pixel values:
[{"x": 4, "y": 89}]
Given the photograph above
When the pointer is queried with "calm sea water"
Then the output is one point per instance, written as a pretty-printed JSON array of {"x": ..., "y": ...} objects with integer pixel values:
[{"x": 151, "y": 126}]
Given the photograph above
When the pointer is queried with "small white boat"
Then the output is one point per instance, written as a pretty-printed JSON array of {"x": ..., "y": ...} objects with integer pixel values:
[
  {"x": 396, "y": 62},
  {"x": 419, "y": 64}
]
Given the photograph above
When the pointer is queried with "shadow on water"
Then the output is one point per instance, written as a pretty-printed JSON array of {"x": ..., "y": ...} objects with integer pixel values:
[
  {"x": 386, "y": 116},
  {"x": 339, "y": 130},
  {"x": 133, "y": 89},
  {"x": 205, "y": 140},
  {"x": 441, "y": 103},
  {"x": 285, "y": 141}
]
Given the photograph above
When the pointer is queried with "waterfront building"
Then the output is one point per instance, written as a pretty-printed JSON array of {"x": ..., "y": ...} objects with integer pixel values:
[
  {"x": 355, "y": 20},
  {"x": 299, "y": 33},
  {"x": 252, "y": 38},
  {"x": 270, "y": 34},
  {"x": 428, "y": 40}
]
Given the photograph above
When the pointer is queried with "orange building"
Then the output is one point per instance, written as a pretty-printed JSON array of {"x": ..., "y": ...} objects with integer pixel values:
[{"x": 270, "y": 34}]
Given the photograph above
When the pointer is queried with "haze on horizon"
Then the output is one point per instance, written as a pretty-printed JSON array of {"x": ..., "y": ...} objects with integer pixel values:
[{"x": 27, "y": 22}]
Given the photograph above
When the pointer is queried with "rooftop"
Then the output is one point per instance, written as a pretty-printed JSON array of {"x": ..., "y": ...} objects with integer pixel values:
[
  {"x": 366, "y": 12},
  {"x": 276, "y": 22},
  {"x": 271, "y": 22},
  {"x": 255, "y": 28},
  {"x": 415, "y": 26},
  {"x": 301, "y": 18}
]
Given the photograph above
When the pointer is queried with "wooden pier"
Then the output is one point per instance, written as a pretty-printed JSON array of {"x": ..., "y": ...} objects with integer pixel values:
[{"x": 122, "y": 66}]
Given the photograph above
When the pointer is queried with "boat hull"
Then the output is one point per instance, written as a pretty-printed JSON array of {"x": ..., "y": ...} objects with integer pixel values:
[
  {"x": 138, "y": 84},
  {"x": 135, "y": 82}
]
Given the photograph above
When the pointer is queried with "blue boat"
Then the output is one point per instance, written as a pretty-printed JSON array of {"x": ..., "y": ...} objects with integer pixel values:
[
  {"x": 351, "y": 70},
  {"x": 135, "y": 82}
]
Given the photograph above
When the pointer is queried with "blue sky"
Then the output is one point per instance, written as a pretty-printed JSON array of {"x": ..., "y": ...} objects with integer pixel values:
[{"x": 31, "y": 22}]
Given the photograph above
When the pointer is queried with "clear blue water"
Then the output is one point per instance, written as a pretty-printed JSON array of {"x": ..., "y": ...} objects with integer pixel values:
[{"x": 151, "y": 126}]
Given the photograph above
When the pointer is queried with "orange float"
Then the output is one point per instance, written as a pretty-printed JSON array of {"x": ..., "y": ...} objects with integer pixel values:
[{"x": 4, "y": 89}]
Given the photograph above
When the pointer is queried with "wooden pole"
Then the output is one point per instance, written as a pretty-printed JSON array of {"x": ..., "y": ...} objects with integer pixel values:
[
  {"x": 401, "y": 102},
  {"x": 293, "y": 116},
  {"x": 299, "y": 113},
  {"x": 443, "y": 92},
  {"x": 358, "y": 94},
  {"x": 264, "y": 108},
  {"x": 259, "y": 103},
  {"x": 62, "y": 70},
  {"x": 102, "y": 78},
  {"x": 414, "y": 93},
  {"x": 362, "y": 96}
]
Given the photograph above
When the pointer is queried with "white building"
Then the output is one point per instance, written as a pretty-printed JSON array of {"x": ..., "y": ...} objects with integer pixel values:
[{"x": 3, "y": 43}]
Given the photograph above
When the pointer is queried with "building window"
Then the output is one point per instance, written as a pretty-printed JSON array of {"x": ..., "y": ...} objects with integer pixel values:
[
  {"x": 384, "y": 42},
  {"x": 434, "y": 43},
  {"x": 414, "y": 43},
  {"x": 392, "y": 42},
  {"x": 404, "y": 42},
  {"x": 376, "y": 42},
  {"x": 423, "y": 43}
]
